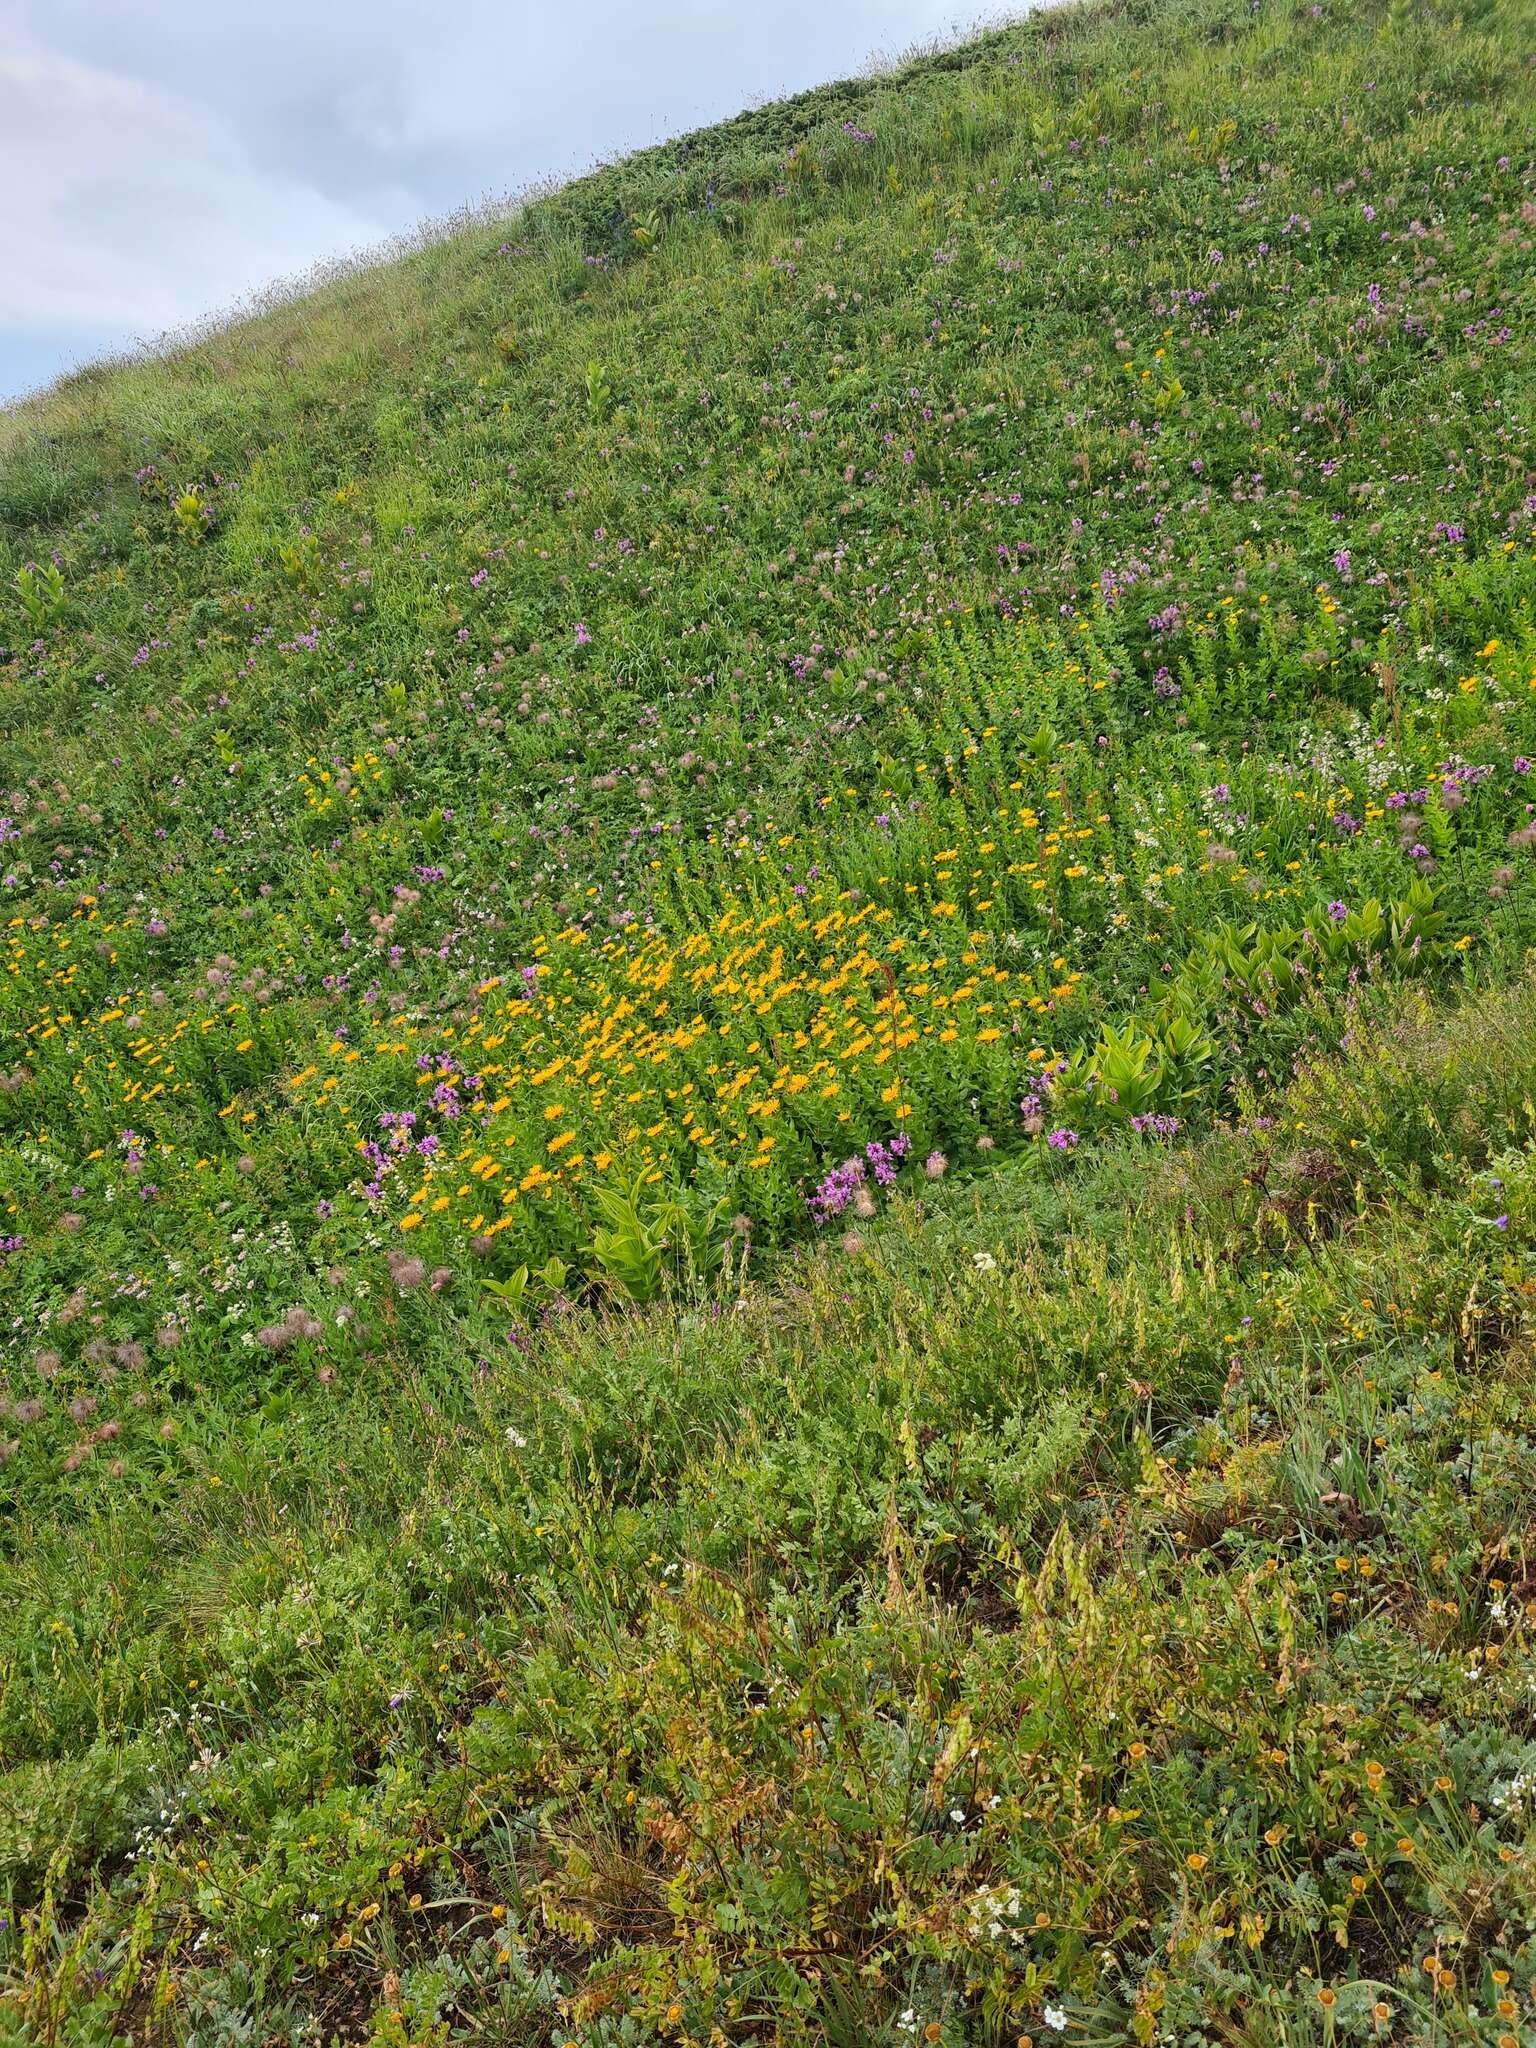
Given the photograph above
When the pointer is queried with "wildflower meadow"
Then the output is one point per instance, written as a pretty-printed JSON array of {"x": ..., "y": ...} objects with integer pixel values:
[{"x": 767, "y": 1061}]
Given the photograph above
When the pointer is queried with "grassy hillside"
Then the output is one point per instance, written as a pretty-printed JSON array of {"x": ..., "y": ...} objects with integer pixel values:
[{"x": 766, "y": 1092}]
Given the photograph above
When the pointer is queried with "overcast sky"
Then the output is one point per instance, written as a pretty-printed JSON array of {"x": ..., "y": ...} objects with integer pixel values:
[{"x": 159, "y": 159}]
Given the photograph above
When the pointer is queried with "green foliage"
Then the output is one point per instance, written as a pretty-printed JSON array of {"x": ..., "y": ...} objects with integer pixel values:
[
  {"x": 651, "y": 1238},
  {"x": 597, "y": 391},
  {"x": 840, "y": 1586},
  {"x": 1130, "y": 1073},
  {"x": 301, "y": 565},
  {"x": 944, "y": 672},
  {"x": 521, "y": 1288},
  {"x": 40, "y": 592},
  {"x": 645, "y": 230},
  {"x": 190, "y": 514}
]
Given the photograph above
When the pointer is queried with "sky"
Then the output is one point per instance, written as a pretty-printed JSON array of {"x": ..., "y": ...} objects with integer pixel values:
[{"x": 162, "y": 159}]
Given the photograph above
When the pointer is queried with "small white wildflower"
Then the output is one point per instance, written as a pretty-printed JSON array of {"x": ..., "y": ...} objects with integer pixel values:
[
  {"x": 518, "y": 1442},
  {"x": 1511, "y": 1797},
  {"x": 1055, "y": 2018},
  {"x": 984, "y": 1262}
]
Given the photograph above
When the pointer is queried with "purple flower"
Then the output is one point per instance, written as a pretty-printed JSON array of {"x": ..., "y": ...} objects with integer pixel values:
[
  {"x": 1337, "y": 911},
  {"x": 843, "y": 1183},
  {"x": 583, "y": 637},
  {"x": 884, "y": 1166},
  {"x": 1158, "y": 1125},
  {"x": 838, "y": 1189},
  {"x": 1061, "y": 1140}
]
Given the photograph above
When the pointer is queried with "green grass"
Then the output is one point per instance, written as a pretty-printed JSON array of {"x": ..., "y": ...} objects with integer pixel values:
[
  {"x": 1110, "y": 1602},
  {"x": 765, "y": 1105}
]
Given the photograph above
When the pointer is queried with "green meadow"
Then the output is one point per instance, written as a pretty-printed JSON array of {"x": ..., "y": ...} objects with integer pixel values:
[{"x": 768, "y": 1088}]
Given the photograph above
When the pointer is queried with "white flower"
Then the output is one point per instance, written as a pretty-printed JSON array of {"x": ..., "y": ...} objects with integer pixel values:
[
  {"x": 984, "y": 1262},
  {"x": 1514, "y": 1795},
  {"x": 518, "y": 1443},
  {"x": 1055, "y": 2018}
]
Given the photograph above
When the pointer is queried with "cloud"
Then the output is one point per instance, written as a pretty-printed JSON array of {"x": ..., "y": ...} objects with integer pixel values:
[
  {"x": 162, "y": 160},
  {"x": 125, "y": 209}
]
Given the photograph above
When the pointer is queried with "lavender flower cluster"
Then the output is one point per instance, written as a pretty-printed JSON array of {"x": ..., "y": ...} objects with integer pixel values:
[
  {"x": 878, "y": 1161},
  {"x": 1156, "y": 1125}
]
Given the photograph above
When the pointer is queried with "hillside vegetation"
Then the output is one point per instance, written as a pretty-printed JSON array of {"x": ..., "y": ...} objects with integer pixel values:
[{"x": 768, "y": 1088}]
